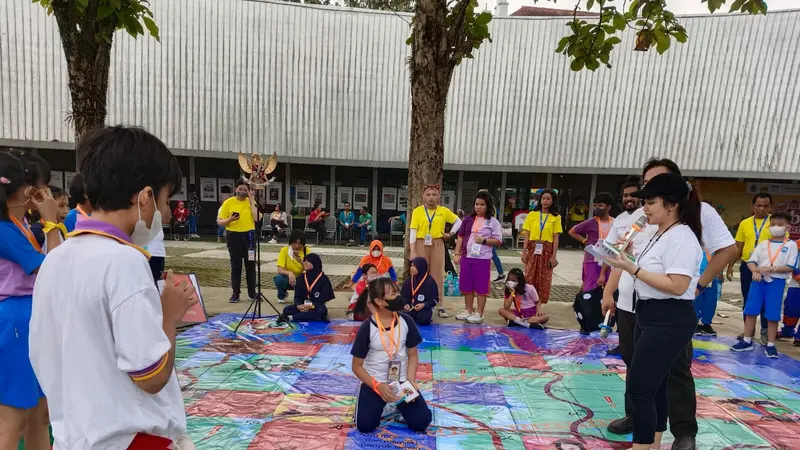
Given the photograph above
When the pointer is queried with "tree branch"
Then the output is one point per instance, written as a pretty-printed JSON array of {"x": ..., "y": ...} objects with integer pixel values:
[{"x": 456, "y": 31}]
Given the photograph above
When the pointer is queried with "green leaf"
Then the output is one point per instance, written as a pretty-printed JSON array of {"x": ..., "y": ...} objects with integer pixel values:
[
  {"x": 736, "y": 5},
  {"x": 589, "y": 4},
  {"x": 83, "y": 4},
  {"x": 614, "y": 40},
  {"x": 592, "y": 64},
  {"x": 117, "y": 4},
  {"x": 562, "y": 44},
  {"x": 483, "y": 18},
  {"x": 151, "y": 27},
  {"x": 577, "y": 65},
  {"x": 679, "y": 36},
  {"x": 619, "y": 22},
  {"x": 104, "y": 11},
  {"x": 662, "y": 45}
]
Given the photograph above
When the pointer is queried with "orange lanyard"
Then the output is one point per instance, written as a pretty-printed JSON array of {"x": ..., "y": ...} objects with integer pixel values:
[
  {"x": 81, "y": 211},
  {"x": 478, "y": 225},
  {"x": 309, "y": 288},
  {"x": 27, "y": 232},
  {"x": 391, "y": 349},
  {"x": 516, "y": 302},
  {"x": 415, "y": 290},
  {"x": 600, "y": 228},
  {"x": 769, "y": 252}
]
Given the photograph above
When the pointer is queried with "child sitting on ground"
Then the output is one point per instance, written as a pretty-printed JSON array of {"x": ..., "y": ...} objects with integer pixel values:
[
  {"x": 311, "y": 292},
  {"x": 385, "y": 351},
  {"x": 368, "y": 273},
  {"x": 521, "y": 302},
  {"x": 772, "y": 263},
  {"x": 421, "y": 292}
]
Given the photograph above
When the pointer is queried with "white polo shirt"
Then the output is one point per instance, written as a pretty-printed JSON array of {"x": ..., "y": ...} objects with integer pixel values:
[
  {"x": 676, "y": 252},
  {"x": 716, "y": 236},
  {"x": 784, "y": 254}
]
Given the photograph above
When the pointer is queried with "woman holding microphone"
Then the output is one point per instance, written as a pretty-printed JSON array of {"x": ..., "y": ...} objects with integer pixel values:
[{"x": 665, "y": 277}]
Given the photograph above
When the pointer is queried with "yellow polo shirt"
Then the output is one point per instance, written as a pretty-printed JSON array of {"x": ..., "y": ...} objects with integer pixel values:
[
  {"x": 746, "y": 234},
  {"x": 440, "y": 217},
  {"x": 291, "y": 264},
  {"x": 245, "y": 222},
  {"x": 533, "y": 225}
]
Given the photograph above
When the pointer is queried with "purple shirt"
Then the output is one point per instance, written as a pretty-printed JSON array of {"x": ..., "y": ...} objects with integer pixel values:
[
  {"x": 590, "y": 230},
  {"x": 491, "y": 229},
  {"x": 18, "y": 261}
]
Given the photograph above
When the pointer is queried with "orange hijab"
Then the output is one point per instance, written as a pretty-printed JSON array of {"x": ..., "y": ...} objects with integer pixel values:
[{"x": 383, "y": 263}]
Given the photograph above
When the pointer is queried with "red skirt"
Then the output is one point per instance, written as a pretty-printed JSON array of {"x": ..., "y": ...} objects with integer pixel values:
[
  {"x": 144, "y": 441},
  {"x": 537, "y": 270}
]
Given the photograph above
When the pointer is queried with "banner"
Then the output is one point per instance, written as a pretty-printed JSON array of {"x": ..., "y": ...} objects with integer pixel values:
[
  {"x": 181, "y": 194},
  {"x": 360, "y": 197},
  {"x": 303, "y": 196},
  {"x": 57, "y": 179},
  {"x": 389, "y": 199},
  {"x": 68, "y": 176},
  {"x": 208, "y": 189},
  {"x": 274, "y": 191},
  {"x": 318, "y": 195}
]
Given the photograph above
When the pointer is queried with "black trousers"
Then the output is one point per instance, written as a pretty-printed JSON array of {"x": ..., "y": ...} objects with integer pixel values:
[
  {"x": 626, "y": 323},
  {"x": 239, "y": 244},
  {"x": 157, "y": 267},
  {"x": 663, "y": 330},
  {"x": 275, "y": 224},
  {"x": 319, "y": 227}
]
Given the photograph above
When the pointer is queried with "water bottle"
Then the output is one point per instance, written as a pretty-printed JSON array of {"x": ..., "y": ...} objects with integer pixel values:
[{"x": 448, "y": 284}]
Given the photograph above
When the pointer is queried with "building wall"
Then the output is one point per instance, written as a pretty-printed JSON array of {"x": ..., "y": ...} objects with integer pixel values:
[{"x": 330, "y": 85}]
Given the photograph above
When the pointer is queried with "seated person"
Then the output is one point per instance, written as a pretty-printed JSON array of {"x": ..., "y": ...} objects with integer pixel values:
[
  {"x": 278, "y": 220},
  {"x": 347, "y": 221},
  {"x": 311, "y": 293},
  {"x": 290, "y": 264},
  {"x": 369, "y": 272},
  {"x": 377, "y": 365},
  {"x": 181, "y": 216},
  {"x": 421, "y": 292},
  {"x": 521, "y": 302},
  {"x": 364, "y": 224},
  {"x": 375, "y": 257},
  {"x": 316, "y": 221}
]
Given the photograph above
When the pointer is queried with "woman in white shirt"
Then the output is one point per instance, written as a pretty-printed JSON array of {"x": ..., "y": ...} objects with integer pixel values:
[{"x": 665, "y": 275}]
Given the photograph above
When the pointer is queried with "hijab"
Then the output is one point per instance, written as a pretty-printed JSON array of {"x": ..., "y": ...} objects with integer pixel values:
[
  {"x": 423, "y": 282},
  {"x": 322, "y": 290},
  {"x": 383, "y": 263}
]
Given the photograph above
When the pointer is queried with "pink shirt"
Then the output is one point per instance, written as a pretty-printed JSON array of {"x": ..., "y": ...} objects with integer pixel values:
[{"x": 529, "y": 299}]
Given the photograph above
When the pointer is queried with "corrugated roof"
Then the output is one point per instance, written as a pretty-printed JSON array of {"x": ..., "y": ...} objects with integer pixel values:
[
  {"x": 536, "y": 11},
  {"x": 331, "y": 85}
]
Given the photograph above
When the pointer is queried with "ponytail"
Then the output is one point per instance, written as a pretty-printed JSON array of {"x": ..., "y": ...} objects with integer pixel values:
[
  {"x": 689, "y": 213},
  {"x": 377, "y": 288},
  {"x": 13, "y": 176}
]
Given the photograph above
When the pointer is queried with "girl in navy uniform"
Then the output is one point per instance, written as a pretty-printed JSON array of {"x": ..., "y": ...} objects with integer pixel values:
[
  {"x": 385, "y": 351},
  {"x": 421, "y": 293},
  {"x": 311, "y": 292}
]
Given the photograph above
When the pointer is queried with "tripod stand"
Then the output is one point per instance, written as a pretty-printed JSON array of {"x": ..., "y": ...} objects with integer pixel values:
[{"x": 255, "y": 304}]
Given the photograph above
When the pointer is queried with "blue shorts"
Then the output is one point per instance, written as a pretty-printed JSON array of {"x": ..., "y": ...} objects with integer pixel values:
[
  {"x": 791, "y": 307},
  {"x": 766, "y": 296},
  {"x": 19, "y": 387}
]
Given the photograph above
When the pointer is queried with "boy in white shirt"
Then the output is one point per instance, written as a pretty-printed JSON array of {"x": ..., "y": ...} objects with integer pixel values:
[
  {"x": 102, "y": 340},
  {"x": 772, "y": 263}
]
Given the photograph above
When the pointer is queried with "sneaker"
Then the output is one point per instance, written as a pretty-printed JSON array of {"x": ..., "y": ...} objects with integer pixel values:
[
  {"x": 442, "y": 312},
  {"x": 613, "y": 351},
  {"x": 707, "y": 330},
  {"x": 699, "y": 330},
  {"x": 475, "y": 318},
  {"x": 797, "y": 342},
  {"x": 742, "y": 346},
  {"x": 500, "y": 278},
  {"x": 272, "y": 241},
  {"x": 536, "y": 326},
  {"x": 740, "y": 337},
  {"x": 282, "y": 301},
  {"x": 195, "y": 235},
  {"x": 234, "y": 298},
  {"x": 771, "y": 351},
  {"x": 621, "y": 426},
  {"x": 463, "y": 315}
]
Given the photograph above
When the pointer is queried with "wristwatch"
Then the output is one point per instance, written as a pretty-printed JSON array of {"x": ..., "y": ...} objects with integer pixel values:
[{"x": 700, "y": 288}]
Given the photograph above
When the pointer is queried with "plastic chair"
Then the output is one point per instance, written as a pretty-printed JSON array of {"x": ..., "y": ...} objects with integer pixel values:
[
  {"x": 394, "y": 230},
  {"x": 519, "y": 221},
  {"x": 508, "y": 232},
  {"x": 331, "y": 228}
]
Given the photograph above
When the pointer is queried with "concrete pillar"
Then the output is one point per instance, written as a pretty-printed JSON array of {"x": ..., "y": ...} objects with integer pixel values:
[
  {"x": 460, "y": 190},
  {"x": 287, "y": 189},
  {"x": 332, "y": 193},
  {"x": 192, "y": 179},
  {"x": 593, "y": 192}
]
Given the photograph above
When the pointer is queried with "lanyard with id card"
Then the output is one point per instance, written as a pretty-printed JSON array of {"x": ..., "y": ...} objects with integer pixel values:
[
  {"x": 309, "y": 287},
  {"x": 474, "y": 247},
  {"x": 393, "y": 370},
  {"x": 251, "y": 251},
  {"x": 429, "y": 237},
  {"x": 539, "y": 248}
]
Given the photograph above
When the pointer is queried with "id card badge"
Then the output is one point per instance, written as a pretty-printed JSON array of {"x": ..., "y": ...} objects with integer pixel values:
[
  {"x": 251, "y": 254},
  {"x": 308, "y": 303},
  {"x": 539, "y": 249},
  {"x": 474, "y": 250},
  {"x": 428, "y": 240},
  {"x": 394, "y": 370}
]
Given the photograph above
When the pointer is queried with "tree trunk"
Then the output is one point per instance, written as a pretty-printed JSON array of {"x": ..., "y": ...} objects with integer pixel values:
[{"x": 431, "y": 72}]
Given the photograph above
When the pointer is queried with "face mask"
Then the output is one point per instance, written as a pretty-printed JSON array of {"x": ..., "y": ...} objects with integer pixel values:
[
  {"x": 511, "y": 285},
  {"x": 777, "y": 231},
  {"x": 599, "y": 212},
  {"x": 395, "y": 304},
  {"x": 241, "y": 195},
  {"x": 376, "y": 253},
  {"x": 142, "y": 235}
]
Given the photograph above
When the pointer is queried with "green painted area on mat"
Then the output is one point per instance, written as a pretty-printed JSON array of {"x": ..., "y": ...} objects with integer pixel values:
[
  {"x": 567, "y": 365},
  {"x": 453, "y": 373},
  {"x": 716, "y": 433},
  {"x": 460, "y": 358}
]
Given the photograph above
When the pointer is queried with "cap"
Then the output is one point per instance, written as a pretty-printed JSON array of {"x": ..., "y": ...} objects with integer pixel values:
[{"x": 667, "y": 185}]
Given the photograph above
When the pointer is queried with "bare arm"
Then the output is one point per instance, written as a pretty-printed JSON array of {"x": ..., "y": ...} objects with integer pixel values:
[
  {"x": 736, "y": 256},
  {"x": 413, "y": 362},
  {"x": 360, "y": 372},
  {"x": 576, "y": 236}
]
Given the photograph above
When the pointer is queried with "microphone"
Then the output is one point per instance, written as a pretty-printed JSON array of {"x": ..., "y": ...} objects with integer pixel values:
[{"x": 636, "y": 228}]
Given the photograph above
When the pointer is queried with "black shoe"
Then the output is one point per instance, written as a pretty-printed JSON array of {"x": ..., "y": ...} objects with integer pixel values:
[
  {"x": 699, "y": 330},
  {"x": 500, "y": 278},
  {"x": 252, "y": 297},
  {"x": 796, "y": 343},
  {"x": 707, "y": 330},
  {"x": 613, "y": 351},
  {"x": 684, "y": 443},
  {"x": 740, "y": 337},
  {"x": 621, "y": 426},
  {"x": 234, "y": 298}
]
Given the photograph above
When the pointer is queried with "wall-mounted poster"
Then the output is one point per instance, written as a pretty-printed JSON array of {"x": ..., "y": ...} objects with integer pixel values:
[
  {"x": 208, "y": 189},
  {"x": 181, "y": 194},
  {"x": 318, "y": 195},
  {"x": 402, "y": 199},
  {"x": 449, "y": 199},
  {"x": 57, "y": 179},
  {"x": 225, "y": 188},
  {"x": 345, "y": 195},
  {"x": 68, "y": 176},
  {"x": 360, "y": 197},
  {"x": 303, "y": 196},
  {"x": 274, "y": 191},
  {"x": 389, "y": 199}
]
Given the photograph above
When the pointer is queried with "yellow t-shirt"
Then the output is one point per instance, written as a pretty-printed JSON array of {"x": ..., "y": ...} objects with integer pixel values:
[
  {"x": 577, "y": 213},
  {"x": 533, "y": 225},
  {"x": 746, "y": 234},
  {"x": 291, "y": 264},
  {"x": 245, "y": 222},
  {"x": 419, "y": 221}
]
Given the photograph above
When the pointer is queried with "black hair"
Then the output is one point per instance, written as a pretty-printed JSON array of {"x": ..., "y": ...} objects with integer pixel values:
[
  {"x": 688, "y": 212},
  {"x": 605, "y": 197},
  {"x": 365, "y": 268},
  {"x": 375, "y": 289},
  {"x": 347, "y": 203},
  {"x": 781, "y": 215},
  {"x": 13, "y": 176},
  {"x": 37, "y": 168},
  {"x": 77, "y": 189},
  {"x": 120, "y": 161},
  {"x": 299, "y": 236},
  {"x": 279, "y": 206},
  {"x": 520, "y": 289},
  {"x": 191, "y": 187},
  {"x": 483, "y": 195},
  {"x": 766, "y": 195},
  {"x": 365, "y": 208},
  {"x": 554, "y": 207},
  {"x": 56, "y": 191},
  {"x": 631, "y": 183},
  {"x": 240, "y": 182},
  {"x": 317, "y": 205},
  {"x": 664, "y": 162}
]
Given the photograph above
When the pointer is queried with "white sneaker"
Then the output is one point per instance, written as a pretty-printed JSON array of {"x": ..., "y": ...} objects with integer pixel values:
[
  {"x": 475, "y": 318},
  {"x": 463, "y": 315},
  {"x": 282, "y": 301},
  {"x": 272, "y": 241},
  {"x": 195, "y": 235}
]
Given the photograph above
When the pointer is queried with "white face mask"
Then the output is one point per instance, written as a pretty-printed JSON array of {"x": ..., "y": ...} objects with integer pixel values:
[
  {"x": 511, "y": 285},
  {"x": 376, "y": 253},
  {"x": 142, "y": 235},
  {"x": 777, "y": 231}
]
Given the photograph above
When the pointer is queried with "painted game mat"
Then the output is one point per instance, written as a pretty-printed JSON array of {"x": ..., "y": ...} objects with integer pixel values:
[{"x": 489, "y": 388}]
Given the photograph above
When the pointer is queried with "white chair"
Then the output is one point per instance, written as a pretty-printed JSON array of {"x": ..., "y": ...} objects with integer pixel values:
[
  {"x": 519, "y": 221},
  {"x": 396, "y": 228},
  {"x": 507, "y": 232}
]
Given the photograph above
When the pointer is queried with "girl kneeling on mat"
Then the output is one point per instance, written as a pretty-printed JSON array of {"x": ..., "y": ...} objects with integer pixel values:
[
  {"x": 384, "y": 355},
  {"x": 520, "y": 306},
  {"x": 311, "y": 292},
  {"x": 421, "y": 293}
]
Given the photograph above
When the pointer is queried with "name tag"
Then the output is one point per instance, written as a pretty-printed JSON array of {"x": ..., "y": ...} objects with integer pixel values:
[
  {"x": 394, "y": 370},
  {"x": 428, "y": 240},
  {"x": 474, "y": 250},
  {"x": 538, "y": 249},
  {"x": 251, "y": 255}
]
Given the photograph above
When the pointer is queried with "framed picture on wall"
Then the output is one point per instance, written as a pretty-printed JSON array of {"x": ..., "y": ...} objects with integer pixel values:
[
  {"x": 57, "y": 179},
  {"x": 208, "y": 189},
  {"x": 181, "y": 194},
  {"x": 389, "y": 199},
  {"x": 318, "y": 195},
  {"x": 274, "y": 192},
  {"x": 402, "y": 199},
  {"x": 360, "y": 197},
  {"x": 303, "y": 196},
  {"x": 344, "y": 195},
  {"x": 225, "y": 188}
]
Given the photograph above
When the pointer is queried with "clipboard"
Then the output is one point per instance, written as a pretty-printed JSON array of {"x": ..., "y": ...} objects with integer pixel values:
[{"x": 197, "y": 313}]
